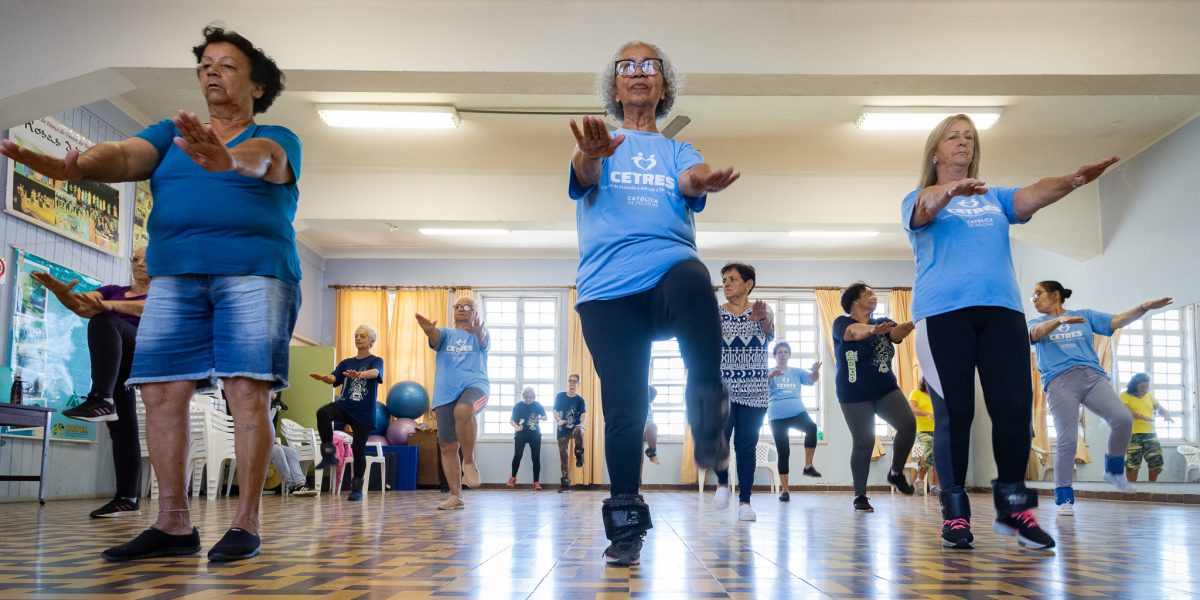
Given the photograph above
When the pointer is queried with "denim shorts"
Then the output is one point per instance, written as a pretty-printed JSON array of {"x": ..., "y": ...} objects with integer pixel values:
[{"x": 207, "y": 327}]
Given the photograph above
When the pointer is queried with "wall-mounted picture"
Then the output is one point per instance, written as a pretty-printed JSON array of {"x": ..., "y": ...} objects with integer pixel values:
[
  {"x": 88, "y": 212},
  {"x": 143, "y": 201}
]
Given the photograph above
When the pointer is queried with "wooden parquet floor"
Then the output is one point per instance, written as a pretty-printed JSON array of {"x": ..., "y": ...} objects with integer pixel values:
[{"x": 525, "y": 544}]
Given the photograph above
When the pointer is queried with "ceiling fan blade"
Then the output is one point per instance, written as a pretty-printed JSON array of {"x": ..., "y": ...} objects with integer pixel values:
[{"x": 676, "y": 125}]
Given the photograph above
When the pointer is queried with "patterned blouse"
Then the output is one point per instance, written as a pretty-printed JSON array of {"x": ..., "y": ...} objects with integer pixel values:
[{"x": 744, "y": 358}]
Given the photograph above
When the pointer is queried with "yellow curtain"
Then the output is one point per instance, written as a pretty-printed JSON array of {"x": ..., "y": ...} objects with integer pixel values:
[
  {"x": 1041, "y": 433},
  {"x": 687, "y": 460},
  {"x": 579, "y": 360},
  {"x": 408, "y": 356},
  {"x": 360, "y": 307},
  {"x": 829, "y": 306}
]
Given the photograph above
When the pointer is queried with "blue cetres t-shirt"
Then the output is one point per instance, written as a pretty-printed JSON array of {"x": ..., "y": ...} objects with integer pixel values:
[
  {"x": 1070, "y": 345},
  {"x": 224, "y": 223},
  {"x": 864, "y": 367},
  {"x": 461, "y": 363},
  {"x": 783, "y": 399},
  {"x": 635, "y": 224},
  {"x": 963, "y": 257},
  {"x": 358, "y": 396}
]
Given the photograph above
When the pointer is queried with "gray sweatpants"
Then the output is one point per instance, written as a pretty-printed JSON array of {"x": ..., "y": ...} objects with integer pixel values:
[
  {"x": 860, "y": 418},
  {"x": 1084, "y": 386},
  {"x": 287, "y": 462}
]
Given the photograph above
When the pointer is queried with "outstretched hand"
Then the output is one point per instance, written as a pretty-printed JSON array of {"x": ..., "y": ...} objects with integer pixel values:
[
  {"x": 55, "y": 286},
  {"x": 1156, "y": 304},
  {"x": 475, "y": 324},
  {"x": 202, "y": 144},
  {"x": 1089, "y": 172},
  {"x": 883, "y": 328},
  {"x": 966, "y": 187},
  {"x": 759, "y": 311},
  {"x": 815, "y": 368},
  {"x": 62, "y": 169},
  {"x": 1071, "y": 320},
  {"x": 714, "y": 181},
  {"x": 593, "y": 139},
  {"x": 425, "y": 323}
]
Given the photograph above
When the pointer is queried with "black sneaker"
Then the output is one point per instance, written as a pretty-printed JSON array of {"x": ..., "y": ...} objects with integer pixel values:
[
  {"x": 117, "y": 507},
  {"x": 652, "y": 454},
  {"x": 564, "y": 485},
  {"x": 154, "y": 542},
  {"x": 328, "y": 457},
  {"x": 1024, "y": 526},
  {"x": 237, "y": 544},
  {"x": 624, "y": 553},
  {"x": 861, "y": 504},
  {"x": 785, "y": 497},
  {"x": 956, "y": 533},
  {"x": 95, "y": 409},
  {"x": 900, "y": 482},
  {"x": 811, "y": 471},
  {"x": 303, "y": 491},
  {"x": 579, "y": 460}
]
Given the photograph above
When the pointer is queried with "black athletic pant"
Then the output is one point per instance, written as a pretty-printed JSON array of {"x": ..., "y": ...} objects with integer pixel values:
[
  {"x": 619, "y": 332},
  {"x": 950, "y": 347},
  {"x": 783, "y": 443},
  {"x": 745, "y": 425},
  {"x": 534, "y": 439},
  {"x": 110, "y": 346},
  {"x": 331, "y": 412}
]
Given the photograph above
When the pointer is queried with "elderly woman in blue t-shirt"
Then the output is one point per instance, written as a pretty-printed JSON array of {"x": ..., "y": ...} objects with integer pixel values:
[
  {"x": 640, "y": 278},
  {"x": 225, "y": 290},
  {"x": 968, "y": 313}
]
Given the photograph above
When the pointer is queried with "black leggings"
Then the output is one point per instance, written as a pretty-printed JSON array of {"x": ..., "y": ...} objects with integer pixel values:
[
  {"x": 860, "y": 419},
  {"x": 783, "y": 443},
  {"x": 534, "y": 439},
  {"x": 331, "y": 412},
  {"x": 110, "y": 347},
  {"x": 950, "y": 347},
  {"x": 619, "y": 332}
]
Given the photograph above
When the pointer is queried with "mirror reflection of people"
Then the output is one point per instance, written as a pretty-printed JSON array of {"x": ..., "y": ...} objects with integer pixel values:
[
  {"x": 922, "y": 452},
  {"x": 1073, "y": 378},
  {"x": 359, "y": 377},
  {"x": 113, "y": 313},
  {"x": 1143, "y": 444},
  {"x": 570, "y": 415},
  {"x": 526, "y": 421}
]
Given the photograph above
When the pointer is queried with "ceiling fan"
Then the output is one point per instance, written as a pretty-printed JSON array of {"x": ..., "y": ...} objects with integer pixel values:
[{"x": 670, "y": 131}]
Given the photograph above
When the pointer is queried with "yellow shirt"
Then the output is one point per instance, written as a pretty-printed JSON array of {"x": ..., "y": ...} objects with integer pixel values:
[
  {"x": 1142, "y": 407},
  {"x": 925, "y": 403}
]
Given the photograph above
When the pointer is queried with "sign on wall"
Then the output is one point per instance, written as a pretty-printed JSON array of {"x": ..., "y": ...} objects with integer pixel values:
[
  {"x": 48, "y": 348},
  {"x": 88, "y": 212}
]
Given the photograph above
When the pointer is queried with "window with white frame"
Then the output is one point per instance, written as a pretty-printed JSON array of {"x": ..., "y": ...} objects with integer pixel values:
[
  {"x": 883, "y": 310},
  {"x": 1163, "y": 346},
  {"x": 795, "y": 322},
  {"x": 524, "y": 351}
]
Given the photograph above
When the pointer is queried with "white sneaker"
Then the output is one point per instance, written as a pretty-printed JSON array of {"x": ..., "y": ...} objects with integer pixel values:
[
  {"x": 745, "y": 513},
  {"x": 721, "y": 498},
  {"x": 1066, "y": 509},
  {"x": 470, "y": 475},
  {"x": 919, "y": 485},
  {"x": 451, "y": 503},
  {"x": 1120, "y": 482}
]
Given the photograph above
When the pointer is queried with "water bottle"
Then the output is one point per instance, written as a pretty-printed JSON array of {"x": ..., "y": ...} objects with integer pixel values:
[
  {"x": 14, "y": 395},
  {"x": 820, "y": 435}
]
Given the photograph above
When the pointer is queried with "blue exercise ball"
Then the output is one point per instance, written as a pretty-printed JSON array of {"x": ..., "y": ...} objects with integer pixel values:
[
  {"x": 407, "y": 400},
  {"x": 382, "y": 419}
]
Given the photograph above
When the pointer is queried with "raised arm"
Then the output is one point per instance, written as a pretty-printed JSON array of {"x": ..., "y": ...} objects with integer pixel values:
[
  {"x": 259, "y": 158},
  {"x": 1137, "y": 312},
  {"x": 1032, "y": 198},
  {"x": 862, "y": 331},
  {"x": 593, "y": 145},
  {"x": 701, "y": 179},
  {"x": 324, "y": 377},
  {"x": 133, "y": 159},
  {"x": 934, "y": 198},
  {"x": 761, "y": 312},
  {"x": 1043, "y": 329},
  {"x": 475, "y": 327},
  {"x": 92, "y": 301},
  {"x": 901, "y": 331},
  {"x": 430, "y": 329},
  {"x": 814, "y": 373}
]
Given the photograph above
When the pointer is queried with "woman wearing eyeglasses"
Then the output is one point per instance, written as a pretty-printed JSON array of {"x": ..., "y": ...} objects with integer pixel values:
[
  {"x": 113, "y": 313},
  {"x": 1072, "y": 376},
  {"x": 640, "y": 278},
  {"x": 968, "y": 312}
]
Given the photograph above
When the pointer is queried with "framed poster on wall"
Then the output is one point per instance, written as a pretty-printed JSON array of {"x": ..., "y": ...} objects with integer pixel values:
[
  {"x": 143, "y": 202},
  {"x": 88, "y": 212},
  {"x": 48, "y": 348}
]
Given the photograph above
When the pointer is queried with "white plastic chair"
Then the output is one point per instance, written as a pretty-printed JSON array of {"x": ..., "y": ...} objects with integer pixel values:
[
  {"x": 1045, "y": 464},
  {"x": 1191, "y": 455},
  {"x": 375, "y": 459},
  {"x": 304, "y": 441},
  {"x": 219, "y": 434},
  {"x": 196, "y": 450},
  {"x": 766, "y": 456}
]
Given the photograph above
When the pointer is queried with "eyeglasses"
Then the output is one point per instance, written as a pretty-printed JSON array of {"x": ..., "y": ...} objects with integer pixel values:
[
  {"x": 629, "y": 68},
  {"x": 1036, "y": 294},
  {"x": 464, "y": 307}
]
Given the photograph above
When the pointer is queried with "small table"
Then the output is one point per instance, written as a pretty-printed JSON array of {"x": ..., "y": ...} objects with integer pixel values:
[{"x": 29, "y": 416}]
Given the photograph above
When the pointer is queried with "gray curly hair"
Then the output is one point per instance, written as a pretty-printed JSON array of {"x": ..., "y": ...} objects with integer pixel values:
[
  {"x": 606, "y": 83},
  {"x": 370, "y": 332}
]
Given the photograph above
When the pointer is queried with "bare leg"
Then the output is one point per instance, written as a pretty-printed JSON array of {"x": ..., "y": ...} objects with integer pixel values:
[
  {"x": 1130, "y": 474},
  {"x": 249, "y": 403},
  {"x": 783, "y": 481},
  {"x": 651, "y": 436},
  {"x": 465, "y": 427},
  {"x": 1154, "y": 474},
  {"x": 450, "y": 466},
  {"x": 168, "y": 432},
  {"x": 808, "y": 455}
]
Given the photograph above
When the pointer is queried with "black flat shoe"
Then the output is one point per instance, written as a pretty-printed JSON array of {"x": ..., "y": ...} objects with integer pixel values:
[
  {"x": 238, "y": 544},
  {"x": 154, "y": 542}
]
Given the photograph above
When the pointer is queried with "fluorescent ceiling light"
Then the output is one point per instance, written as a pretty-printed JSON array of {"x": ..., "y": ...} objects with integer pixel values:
[
  {"x": 388, "y": 116},
  {"x": 441, "y": 231},
  {"x": 833, "y": 234},
  {"x": 924, "y": 117}
]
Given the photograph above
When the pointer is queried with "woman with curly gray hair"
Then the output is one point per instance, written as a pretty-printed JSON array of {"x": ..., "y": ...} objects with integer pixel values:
[{"x": 640, "y": 277}]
